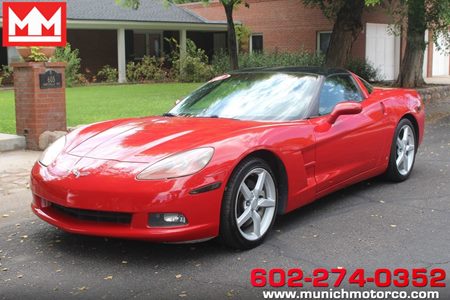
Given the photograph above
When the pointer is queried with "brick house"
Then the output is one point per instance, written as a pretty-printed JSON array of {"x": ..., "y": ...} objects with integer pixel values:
[
  {"x": 107, "y": 34},
  {"x": 287, "y": 25}
]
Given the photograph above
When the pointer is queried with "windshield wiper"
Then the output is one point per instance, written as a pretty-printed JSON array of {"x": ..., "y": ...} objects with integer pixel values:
[
  {"x": 216, "y": 117},
  {"x": 169, "y": 115}
]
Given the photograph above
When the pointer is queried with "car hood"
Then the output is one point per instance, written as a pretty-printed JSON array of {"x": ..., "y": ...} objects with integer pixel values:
[{"x": 150, "y": 139}]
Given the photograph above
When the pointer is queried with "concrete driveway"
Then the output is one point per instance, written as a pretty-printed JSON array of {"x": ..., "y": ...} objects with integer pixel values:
[{"x": 371, "y": 225}]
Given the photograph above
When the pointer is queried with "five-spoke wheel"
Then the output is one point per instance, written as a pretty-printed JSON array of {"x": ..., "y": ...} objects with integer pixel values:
[
  {"x": 249, "y": 205},
  {"x": 255, "y": 204}
]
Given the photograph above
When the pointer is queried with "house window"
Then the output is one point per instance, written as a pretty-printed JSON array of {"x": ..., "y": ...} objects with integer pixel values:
[
  {"x": 323, "y": 41},
  {"x": 256, "y": 43},
  {"x": 146, "y": 43},
  {"x": 220, "y": 41}
]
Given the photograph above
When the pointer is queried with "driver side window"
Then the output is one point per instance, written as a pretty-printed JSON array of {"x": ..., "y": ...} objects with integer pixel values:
[{"x": 336, "y": 89}]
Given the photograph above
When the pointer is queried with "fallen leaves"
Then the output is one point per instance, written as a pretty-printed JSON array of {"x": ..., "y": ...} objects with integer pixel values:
[{"x": 230, "y": 293}]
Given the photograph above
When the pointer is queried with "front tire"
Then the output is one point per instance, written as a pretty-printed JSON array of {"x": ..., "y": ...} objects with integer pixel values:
[
  {"x": 249, "y": 205},
  {"x": 403, "y": 152}
]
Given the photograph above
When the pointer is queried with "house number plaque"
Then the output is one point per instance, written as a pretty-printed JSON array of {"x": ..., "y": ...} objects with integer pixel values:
[{"x": 50, "y": 80}]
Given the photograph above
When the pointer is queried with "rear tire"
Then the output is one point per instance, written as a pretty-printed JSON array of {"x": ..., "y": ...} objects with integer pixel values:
[
  {"x": 403, "y": 152},
  {"x": 249, "y": 205}
]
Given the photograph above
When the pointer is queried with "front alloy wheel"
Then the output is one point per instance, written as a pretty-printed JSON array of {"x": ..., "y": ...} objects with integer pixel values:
[
  {"x": 249, "y": 205},
  {"x": 255, "y": 204}
]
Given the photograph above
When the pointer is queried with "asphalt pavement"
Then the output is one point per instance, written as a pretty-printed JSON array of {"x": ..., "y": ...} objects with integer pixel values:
[{"x": 373, "y": 224}]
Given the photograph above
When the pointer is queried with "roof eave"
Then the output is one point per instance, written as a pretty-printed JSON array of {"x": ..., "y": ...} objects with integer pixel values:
[{"x": 153, "y": 25}]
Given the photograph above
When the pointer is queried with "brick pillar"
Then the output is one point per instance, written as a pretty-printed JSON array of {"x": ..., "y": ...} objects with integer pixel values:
[{"x": 38, "y": 110}]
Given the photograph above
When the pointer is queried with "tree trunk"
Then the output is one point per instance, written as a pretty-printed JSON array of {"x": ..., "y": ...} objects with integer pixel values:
[
  {"x": 346, "y": 29},
  {"x": 411, "y": 70},
  {"x": 232, "y": 43}
]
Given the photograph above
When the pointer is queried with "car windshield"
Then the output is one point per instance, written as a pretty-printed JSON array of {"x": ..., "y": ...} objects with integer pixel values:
[{"x": 252, "y": 96}]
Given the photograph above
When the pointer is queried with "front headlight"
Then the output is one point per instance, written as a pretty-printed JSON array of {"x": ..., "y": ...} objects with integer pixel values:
[
  {"x": 52, "y": 151},
  {"x": 178, "y": 165}
]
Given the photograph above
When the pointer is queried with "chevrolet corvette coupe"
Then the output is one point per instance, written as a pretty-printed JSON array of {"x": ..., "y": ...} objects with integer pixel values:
[{"x": 226, "y": 160}]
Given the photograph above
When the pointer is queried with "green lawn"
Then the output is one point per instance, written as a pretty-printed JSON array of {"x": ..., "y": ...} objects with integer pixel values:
[{"x": 97, "y": 103}]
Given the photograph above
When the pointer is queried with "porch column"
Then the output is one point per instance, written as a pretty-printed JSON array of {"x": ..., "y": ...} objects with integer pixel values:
[
  {"x": 121, "y": 59},
  {"x": 183, "y": 43}
]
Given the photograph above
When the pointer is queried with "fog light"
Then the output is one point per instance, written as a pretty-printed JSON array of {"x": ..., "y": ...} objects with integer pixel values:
[{"x": 167, "y": 219}]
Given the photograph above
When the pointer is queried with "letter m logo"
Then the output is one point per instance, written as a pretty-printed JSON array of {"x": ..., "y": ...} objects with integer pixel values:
[{"x": 34, "y": 24}]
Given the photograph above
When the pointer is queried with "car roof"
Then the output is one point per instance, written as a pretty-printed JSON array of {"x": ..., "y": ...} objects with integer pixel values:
[{"x": 322, "y": 71}]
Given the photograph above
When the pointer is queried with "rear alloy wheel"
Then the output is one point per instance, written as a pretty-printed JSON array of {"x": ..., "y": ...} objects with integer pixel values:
[
  {"x": 249, "y": 205},
  {"x": 403, "y": 152}
]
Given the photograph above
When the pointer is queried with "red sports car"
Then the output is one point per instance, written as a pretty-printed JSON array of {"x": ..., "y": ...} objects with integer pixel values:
[{"x": 225, "y": 161}]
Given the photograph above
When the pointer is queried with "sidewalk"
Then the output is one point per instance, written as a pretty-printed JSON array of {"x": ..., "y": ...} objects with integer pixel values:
[
  {"x": 15, "y": 195},
  {"x": 15, "y": 169}
]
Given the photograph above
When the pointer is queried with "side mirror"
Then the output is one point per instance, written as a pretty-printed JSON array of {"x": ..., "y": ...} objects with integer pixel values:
[{"x": 344, "y": 108}]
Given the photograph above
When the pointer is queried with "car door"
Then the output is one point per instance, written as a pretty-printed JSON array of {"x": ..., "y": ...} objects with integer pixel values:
[{"x": 350, "y": 146}]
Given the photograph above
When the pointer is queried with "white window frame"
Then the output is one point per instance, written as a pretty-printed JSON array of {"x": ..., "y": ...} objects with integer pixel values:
[{"x": 318, "y": 38}]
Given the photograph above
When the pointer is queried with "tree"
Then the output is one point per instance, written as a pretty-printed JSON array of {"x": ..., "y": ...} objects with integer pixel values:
[
  {"x": 422, "y": 15},
  {"x": 411, "y": 68},
  {"x": 347, "y": 17},
  {"x": 228, "y": 6}
]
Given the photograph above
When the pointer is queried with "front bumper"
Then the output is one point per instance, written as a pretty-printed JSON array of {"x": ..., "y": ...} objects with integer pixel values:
[{"x": 118, "y": 192}]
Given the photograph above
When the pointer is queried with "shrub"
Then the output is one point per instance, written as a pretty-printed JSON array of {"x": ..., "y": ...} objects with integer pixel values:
[
  {"x": 108, "y": 74},
  {"x": 363, "y": 68},
  {"x": 193, "y": 67},
  {"x": 71, "y": 58},
  {"x": 82, "y": 79},
  {"x": 195, "y": 70},
  {"x": 149, "y": 68},
  {"x": 37, "y": 55},
  {"x": 253, "y": 60},
  {"x": 6, "y": 75},
  {"x": 221, "y": 62}
]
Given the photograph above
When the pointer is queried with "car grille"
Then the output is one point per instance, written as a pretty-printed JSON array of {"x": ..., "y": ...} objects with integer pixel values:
[{"x": 93, "y": 215}]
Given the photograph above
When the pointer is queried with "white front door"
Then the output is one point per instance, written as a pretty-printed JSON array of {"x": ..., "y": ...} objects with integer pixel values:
[
  {"x": 383, "y": 50},
  {"x": 440, "y": 60}
]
